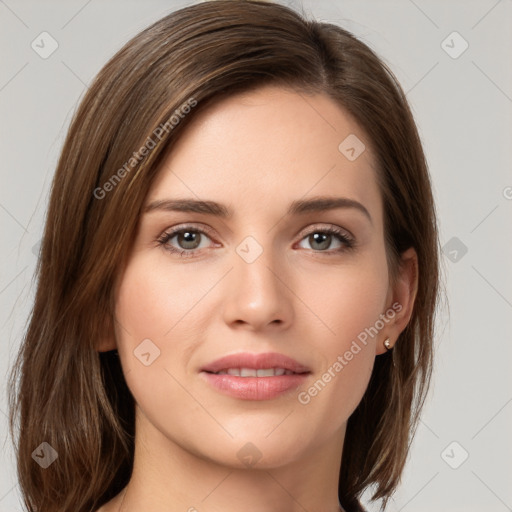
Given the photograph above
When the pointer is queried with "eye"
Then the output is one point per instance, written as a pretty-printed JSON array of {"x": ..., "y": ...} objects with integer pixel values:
[
  {"x": 188, "y": 238},
  {"x": 321, "y": 239}
]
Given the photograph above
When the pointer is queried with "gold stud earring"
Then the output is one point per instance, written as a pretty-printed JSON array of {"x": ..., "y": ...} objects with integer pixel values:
[{"x": 387, "y": 344}]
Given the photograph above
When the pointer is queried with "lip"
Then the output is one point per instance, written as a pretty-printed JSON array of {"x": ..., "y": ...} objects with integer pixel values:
[
  {"x": 255, "y": 388},
  {"x": 256, "y": 361}
]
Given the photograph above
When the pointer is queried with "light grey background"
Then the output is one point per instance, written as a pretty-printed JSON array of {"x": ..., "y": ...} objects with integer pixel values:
[{"x": 463, "y": 107}]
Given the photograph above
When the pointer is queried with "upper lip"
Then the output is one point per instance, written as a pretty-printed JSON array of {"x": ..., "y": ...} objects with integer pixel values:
[{"x": 256, "y": 361}]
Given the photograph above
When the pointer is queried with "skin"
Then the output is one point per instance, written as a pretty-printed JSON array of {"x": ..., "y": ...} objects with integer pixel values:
[{"x": 256, "y": 153}]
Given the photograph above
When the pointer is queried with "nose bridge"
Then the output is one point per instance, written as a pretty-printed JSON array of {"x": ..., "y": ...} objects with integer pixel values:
[{"x": 259, "y": 295}]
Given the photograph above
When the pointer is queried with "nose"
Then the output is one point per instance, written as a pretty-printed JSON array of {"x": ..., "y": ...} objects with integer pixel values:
[{"x": 259, "y": 295}]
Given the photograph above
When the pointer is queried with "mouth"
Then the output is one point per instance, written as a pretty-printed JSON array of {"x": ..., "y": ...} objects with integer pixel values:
[
  {"x": 249, "y": 364},
  {"x": 253, "y": 372},
  {"x": 255, "y": 376}
]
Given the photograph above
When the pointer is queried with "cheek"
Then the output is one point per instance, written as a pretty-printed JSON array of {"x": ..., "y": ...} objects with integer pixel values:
[
  {"x": 169, "y": 306},
  {"x": 153, "y": 301},
  {"x": 357, "y": 307},
  {"x": 346, "y": 300},
  {"x": 350, "y": 304}
]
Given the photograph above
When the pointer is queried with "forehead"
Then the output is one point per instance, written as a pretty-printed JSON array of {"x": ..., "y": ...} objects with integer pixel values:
[{"x": 263, "y": 149}]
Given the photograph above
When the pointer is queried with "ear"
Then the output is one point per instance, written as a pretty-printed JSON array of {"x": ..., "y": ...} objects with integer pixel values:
[
  {"x": 107, "y": 340},
  {"x": 401, "y": 299}
]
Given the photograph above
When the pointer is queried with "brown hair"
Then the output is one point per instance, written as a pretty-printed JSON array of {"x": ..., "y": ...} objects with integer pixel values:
[{"x": 61, "y": 389}]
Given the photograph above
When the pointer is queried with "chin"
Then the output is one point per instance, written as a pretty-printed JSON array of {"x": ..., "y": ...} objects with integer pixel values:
[{"x": 256, "y": 451}]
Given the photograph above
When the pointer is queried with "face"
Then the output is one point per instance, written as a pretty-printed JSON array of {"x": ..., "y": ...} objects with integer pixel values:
[{"x": 280, "y": 289}]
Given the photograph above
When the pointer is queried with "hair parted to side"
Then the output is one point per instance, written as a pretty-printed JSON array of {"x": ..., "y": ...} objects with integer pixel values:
[{"x": 63, "y": 391}]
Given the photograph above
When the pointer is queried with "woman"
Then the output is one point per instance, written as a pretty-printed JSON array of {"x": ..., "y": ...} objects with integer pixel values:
[{"x": 238, "y": 277}]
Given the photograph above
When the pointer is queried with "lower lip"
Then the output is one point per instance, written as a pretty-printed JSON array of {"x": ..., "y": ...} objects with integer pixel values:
[{"x": 254, "y": 388}]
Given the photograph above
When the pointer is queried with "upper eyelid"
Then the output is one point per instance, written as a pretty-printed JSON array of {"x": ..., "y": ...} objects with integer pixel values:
[{"x": 192, "y": 227}]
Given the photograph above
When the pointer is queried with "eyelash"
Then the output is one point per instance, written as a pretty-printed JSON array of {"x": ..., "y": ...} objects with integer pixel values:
[{"x": 339, "y": 233}]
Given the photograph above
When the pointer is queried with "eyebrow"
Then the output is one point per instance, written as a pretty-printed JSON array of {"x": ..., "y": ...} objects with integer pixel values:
[{"x": 299, "y": 207}]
